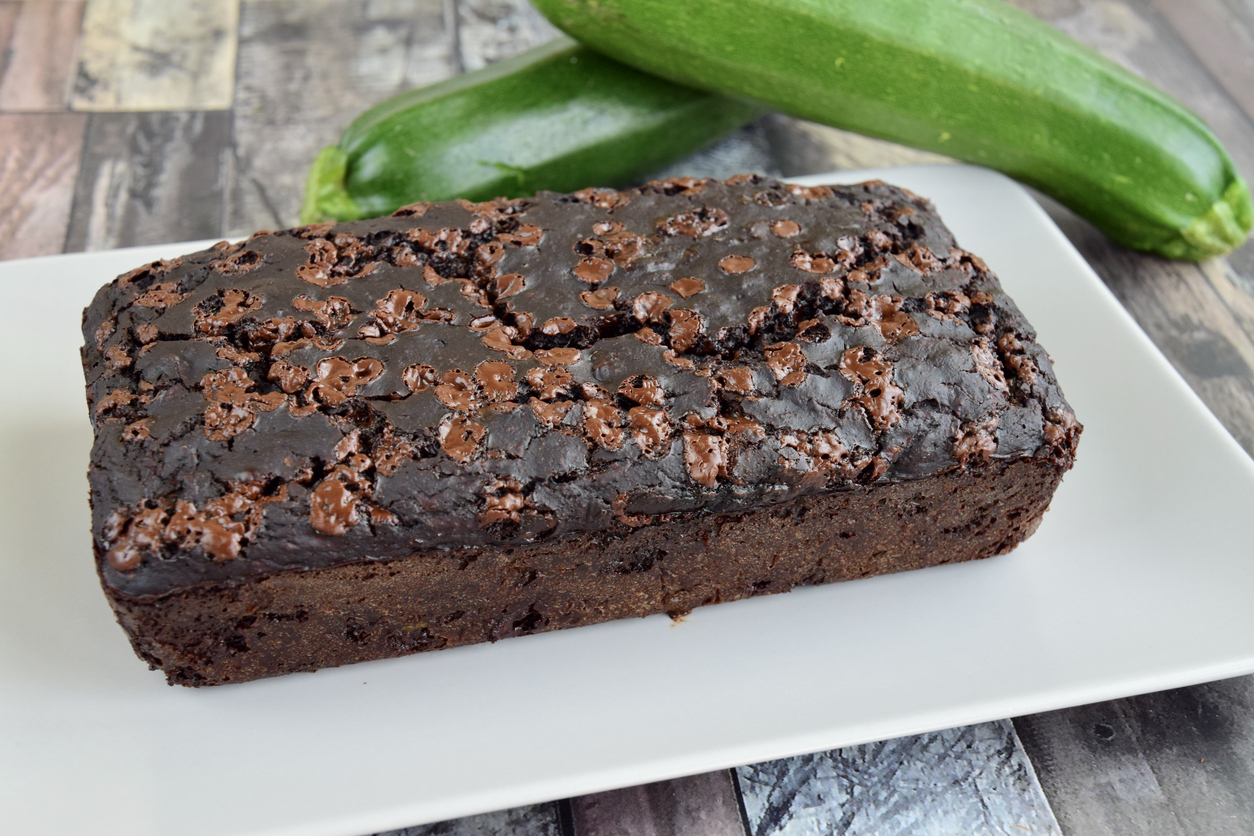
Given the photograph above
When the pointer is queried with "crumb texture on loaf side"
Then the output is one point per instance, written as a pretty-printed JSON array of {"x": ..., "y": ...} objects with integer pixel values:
[{"x": 303, "y": 621}]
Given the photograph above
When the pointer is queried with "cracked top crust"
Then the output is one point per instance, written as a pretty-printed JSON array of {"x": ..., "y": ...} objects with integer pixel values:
[{"x": 464, "y": 374}]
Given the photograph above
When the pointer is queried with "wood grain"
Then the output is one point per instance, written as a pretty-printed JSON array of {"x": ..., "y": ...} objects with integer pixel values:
[
  {"x": 803, "y": 147},
  {"x": 747, "y": 150},
  {"x": 534, "y": 820},
  {"x": 489, "y": 30},
  {"x": 700, "y": 805},
  {"x": 9, "y": 11},
  {"x": 306, "y": 69},
  {"x": 1220, "y": 40},
  {"x": 39, "y": 57},
  {"x": 148, "y": 178},
  {"x": 39, "y": 157},
  {"x": 972, "y": 780},
  {"x": 1174, "y": 763},
  {"x": 156, "y": 55}
]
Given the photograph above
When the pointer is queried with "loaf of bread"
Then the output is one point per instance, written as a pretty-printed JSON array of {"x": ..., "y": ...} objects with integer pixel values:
[{"x": 471, "y": 421}]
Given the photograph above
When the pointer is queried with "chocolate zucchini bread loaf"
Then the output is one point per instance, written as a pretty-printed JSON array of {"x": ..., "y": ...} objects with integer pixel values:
[{"x": 470, "y": 421}]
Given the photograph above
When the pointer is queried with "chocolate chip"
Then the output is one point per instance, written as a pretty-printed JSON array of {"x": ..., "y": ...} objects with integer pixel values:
[
  {"x": 550, "y": 415},
  {"x": 593, "y": 270},
  {"x": 736, "y": 264},
  {"x": 787, "y": 362},
  {"x": 809, "y": 192},
  {"x": 785, "y": 228},
  {"x": 685, "y": 330},
  {"x": 812, "y": 263},
  {"x": 509, "y": 284},
  {"x": 160, "y": 296},
  {"x": 600, "y": 300},
  {"x": 738, "y": 379},
  {"x": 688, "y": 286},
  {"x": 460, "y": 437},
  {"x": 556, "y": 356},
  {"x": 696, "y": 224},
  {"x": 497, "y": 381},
  {"x": 643, "y": 389},
  {"x": 871, "y": 373},
  {"x": 706, "y": 457},
  {"x": 558, "y": 325},
  {"x": 649, "y": 307},
  {"x": 602, "y": 423},
  {"x": 650, "y": 429}
]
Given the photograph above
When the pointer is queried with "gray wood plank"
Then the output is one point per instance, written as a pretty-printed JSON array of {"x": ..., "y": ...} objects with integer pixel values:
[
  {"x": 1220, "y": 39},
  {"x": 39, "y": 156},
  {"x": 9, "y": 11},
  {"x": 148, "y": 178},
  {"x": 973, "y": 780},
  {"x": 699, "y": 805},
  {"x": 1175, "y": 763},
  {"x": 39, "y": 57},
  {"x": 489, "y": 30},
  {"x": 801, "y": 147},
  {"x": 534, "y": 820},
  {"x": 306, "y": 69},
  {"x": 748, "y": 150}
]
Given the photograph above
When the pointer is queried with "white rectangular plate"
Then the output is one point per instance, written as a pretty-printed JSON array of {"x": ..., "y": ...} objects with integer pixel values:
[{"x": 1139, "y": 579}]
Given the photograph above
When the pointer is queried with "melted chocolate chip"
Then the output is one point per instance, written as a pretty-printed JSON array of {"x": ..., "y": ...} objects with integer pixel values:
[
  {"x": 787, "y": 362},
  {"x": 686, "y": 328},
  {"x": 602, "y": 424},
  {"x": 600, "y": 300},
  {"x": 593, "y": 270},
  {"x": 333, "y": 503},
  {"x": 643, "y": 389},
  {"x": 688, "y": 287},
  {"x": 160, "y": 296},
  {"x": 460, "y": 438},
  {"x": 699, "y": 223},
  {"x": 497, "y": 381},
  {"x": 558, "y": 356},
  {"x": 648, "y": 307},
  {"x": 876, "y": 393},
  {"x": 785, "y": 228},
  {"x": 738, "y": 379},
  {"x": 736, "y": 264},
  {"x": 650, "y": 429},
  {"x": 812, "y": 263},
  {"x": 335, "y": 379},
  {"x": 706, "y": 457}
]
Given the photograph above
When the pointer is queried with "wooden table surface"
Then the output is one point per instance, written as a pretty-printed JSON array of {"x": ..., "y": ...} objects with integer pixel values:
[{"x": 128, "y": 122}]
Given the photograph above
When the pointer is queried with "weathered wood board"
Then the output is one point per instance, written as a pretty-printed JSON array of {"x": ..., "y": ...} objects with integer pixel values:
[
  {"x": 150, "y": 177},
  {"x": 39, "y": 155},
  {"x": 39, "y": 56},
  {"x": 306, "y": 69},
  {"x": 156, "y": 55}
]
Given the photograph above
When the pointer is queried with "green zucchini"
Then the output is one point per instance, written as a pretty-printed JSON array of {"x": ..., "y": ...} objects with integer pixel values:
[
  {"x": 557, "y": 117},
  {"x": 974, "y": 79}
]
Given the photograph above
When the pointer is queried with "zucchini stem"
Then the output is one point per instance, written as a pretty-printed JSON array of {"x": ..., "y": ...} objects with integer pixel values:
[
  {"x": 1222, "y": 228},
  {"x": 326, "y": 194}
]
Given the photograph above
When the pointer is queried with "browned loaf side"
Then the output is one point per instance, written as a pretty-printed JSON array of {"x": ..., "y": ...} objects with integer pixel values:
[{"x": 471, "y": 421}]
